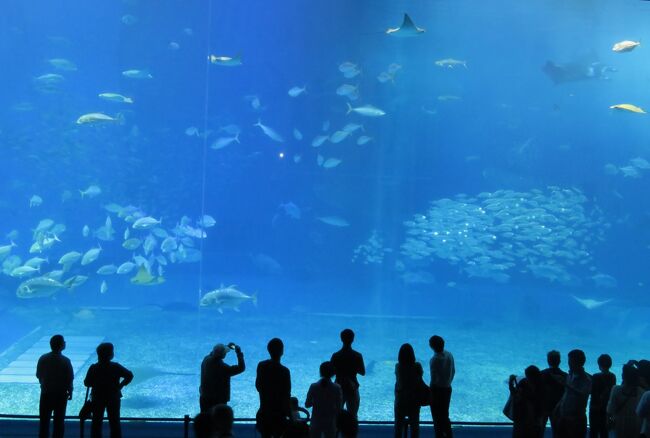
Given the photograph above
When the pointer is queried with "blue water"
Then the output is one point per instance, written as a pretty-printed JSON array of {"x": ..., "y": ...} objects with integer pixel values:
[{"x": 500, "y": 123}]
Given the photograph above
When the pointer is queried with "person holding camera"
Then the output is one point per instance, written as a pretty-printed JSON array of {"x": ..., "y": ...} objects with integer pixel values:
[{"x": 216, "y": 374}]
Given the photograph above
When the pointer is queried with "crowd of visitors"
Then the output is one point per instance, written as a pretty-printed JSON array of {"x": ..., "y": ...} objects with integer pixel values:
[
  {"x": 535, "y": 398},
  {"x": 622, "y": 410}
]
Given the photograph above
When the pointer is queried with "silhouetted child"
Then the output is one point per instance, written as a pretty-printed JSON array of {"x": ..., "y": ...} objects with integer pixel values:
[
  {"x": 601, "y": 387},
  {"x": 298, "y": 413}
]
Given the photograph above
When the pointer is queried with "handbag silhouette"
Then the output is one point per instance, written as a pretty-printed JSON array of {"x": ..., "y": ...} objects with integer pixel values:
[{"x": 85, "y": 413}]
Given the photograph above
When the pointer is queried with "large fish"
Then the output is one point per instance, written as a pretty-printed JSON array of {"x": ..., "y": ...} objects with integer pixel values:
[
  {"x": 228, "y": 297},
  {"x": 39, "y": 287}
]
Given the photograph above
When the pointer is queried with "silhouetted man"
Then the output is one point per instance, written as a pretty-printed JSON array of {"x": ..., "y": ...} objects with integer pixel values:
[
  {"x": 442, "y": 370},
  {"x": 216, "y": 374},
  {"x": 572, "y": 408},
  {"x": 54, "y": 372},
  {"x": 273, "y": 383},
  {"x": 554, "y": 379},
  {"x": 347, "y": 364}
]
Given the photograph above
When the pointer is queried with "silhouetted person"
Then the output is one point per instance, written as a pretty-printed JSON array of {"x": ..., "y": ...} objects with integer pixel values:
[
  {"x": 442, "y": 370},
  {"x": 347, "y": 424},
  {"x": 347, "y": 364},
  {"x": 643, "y": 411},
  {"x": 326, "y": 398},
  {"x": 106, "y": 380},
  {"x": 203, "y": 425},
  {"x": 554, "y": 379},
  {"x": 572, "y": 407},
  {"x": 222, "y": 420},
  {"x": 601, "y": 386},
  {"x": 216, "y": 374},
  {"x": 528, "y": 404},
  {"x": 273, "y": 383},
  {"x": 54, "y": 372},
  {"x": 408, "y": 375},
  {"x": 623, "y": 402}
]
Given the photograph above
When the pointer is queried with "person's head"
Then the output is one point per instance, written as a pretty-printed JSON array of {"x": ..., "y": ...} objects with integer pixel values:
[
  {"x": 437, "y": 344},
  {"x": 533, "y": 374},
  {"x": 347, "y": 424},
  {"x": 577, "y": 359},
  {"x": 220, "y": 351},
  {"x": 105, "y": 352},
  {"x": 604, "y": 362},
  {"x": 57, "y": 343},
  {"x": 203, "y": 425},
  {"x": 275, "y": 347},
  {"x": 222, "y": 419},
  {"x": 644, "y": 370},
  {"x": 347, "y": 337},
  {"x": 553, "y": 358},
  {"x": 327, "y": 370},
  {"x": 630, "y": 375},
  {"x": 406, "y": 355}
]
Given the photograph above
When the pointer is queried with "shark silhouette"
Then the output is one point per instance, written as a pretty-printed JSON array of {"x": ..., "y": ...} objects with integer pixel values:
[{"x": 407, "y": 29}]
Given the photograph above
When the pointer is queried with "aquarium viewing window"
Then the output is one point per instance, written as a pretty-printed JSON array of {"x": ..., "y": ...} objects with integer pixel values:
[{"x": 176, "y": 175}]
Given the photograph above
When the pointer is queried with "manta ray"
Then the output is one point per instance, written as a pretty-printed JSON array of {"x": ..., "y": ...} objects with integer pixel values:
[
  {"x": 407, "y": 29},
  {"x": 590, "y": 303}
]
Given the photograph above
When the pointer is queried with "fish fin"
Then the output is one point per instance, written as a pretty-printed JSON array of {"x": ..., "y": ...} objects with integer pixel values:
[
  {"x": 349, "y": 107},
  {"x": 237, "y": 138},
  {"x": 407, "y": 23}
]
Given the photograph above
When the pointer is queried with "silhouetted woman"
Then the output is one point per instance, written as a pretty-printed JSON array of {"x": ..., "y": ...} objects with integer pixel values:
[
  {"x": 408, "y": 375},
  {"x": 622, "y": 404},
  {"x": 106, "y": 379},
  {"x": 528, "y": 404},
  {"x": 326, "y": 398}
]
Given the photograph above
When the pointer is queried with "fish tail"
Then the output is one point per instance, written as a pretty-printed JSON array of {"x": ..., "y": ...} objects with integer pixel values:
[
  {"x": 259, "y": 122},
  {"x": 12, "y": 244},
  {"x": 349, "y": 107},
  {"x": 237, "y": 138}
]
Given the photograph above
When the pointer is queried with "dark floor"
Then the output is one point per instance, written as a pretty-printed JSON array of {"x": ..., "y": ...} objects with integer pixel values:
[{"x": 142, "y": 429}]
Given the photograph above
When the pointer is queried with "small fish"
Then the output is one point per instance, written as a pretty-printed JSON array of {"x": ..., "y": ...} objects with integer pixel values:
[
  {"x": 297, "y": 134},
  {"x": 90, "y": 256},
  {"x": 23, "y": 271},
  {"x": 129, "y": 19},
  {"x": 625, "y": 46},
  {"x": 628, "y": 107},
  {"x": 352, "y": 73},
  {"x": 363, "y": 140},
  {"x": 91, "y": 192},
  {"x": 385, "y": 77},
  {"x": 132, "y": 244},
  {"x": 137, "y": 74},
  {"x": 407, "y": 29},
  {"x": 146, "y": 222},
  {"x": 222, "y": 142},
  {"x": 319, "y": 140},
  {"x": 85, "y": 231},
  {"x": 366, "y": 110},
  {"x": 125, "y": 268},
  {"x": 103, "y": 288},
  {"x": 297, "y": 91},
  {"x": 69, "y": 258},
  {"x": 207, "y": 221},
  {"x": 269, "y": 132},
  {"x": 62, "y": 64},
  {"x": 393, "y": 68},
  {"x": 192, "y": 131},
  {"x": 450, "y": 63},
  {"x": 331, "y": 163},
  {"x": 173, "y": 45},
  {"x": 352, "y": 127},
  {"x": 339, "y": 136},
  {"x": 347, "y": 89},
  {"x": 107, "y": 270},
  {"x": 36, "y": 262},
  {"x": 114, "y": 97},
  {"x": 35, "y": 201},
  {"x": 347, "y": 66},
  {"x": 297, "y": 158},
  {"x": 225, "y": 61},
  {"x": 334, "y": 221},
  {"x": 93, "y": 118}
]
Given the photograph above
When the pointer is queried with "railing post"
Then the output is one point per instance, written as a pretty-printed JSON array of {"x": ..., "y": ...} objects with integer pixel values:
[{"x": 186, "y": 426}]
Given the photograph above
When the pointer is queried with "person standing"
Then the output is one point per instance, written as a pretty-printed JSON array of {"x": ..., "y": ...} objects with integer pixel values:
[
  {"x": 348, "y": 363},
  {"x": 554, "y": 380},
  {"x": 55, "y": 374},
  {"x": 106, "y": 380},
  {"x": 216, "y": 374},
  {"x": 601, "y": 386},
  {"x": 623, "y": 401},
  {"x": 273, "y": 383},
  {"x": 408, "y": 377},
  {"x": 442, "y": 370},
  {"x": 326, "y": 399},
  {"x": 572, "y": 408}
]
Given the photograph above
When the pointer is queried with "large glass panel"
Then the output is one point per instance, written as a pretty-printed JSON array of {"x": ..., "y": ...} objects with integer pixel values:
[{"x": 179, "y": 174}]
